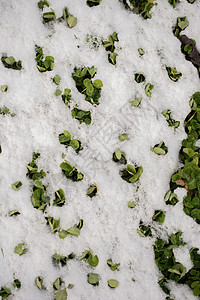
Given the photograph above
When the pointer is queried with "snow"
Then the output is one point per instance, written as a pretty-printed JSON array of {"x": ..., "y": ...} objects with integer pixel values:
[{"x": 109, "y": 225}]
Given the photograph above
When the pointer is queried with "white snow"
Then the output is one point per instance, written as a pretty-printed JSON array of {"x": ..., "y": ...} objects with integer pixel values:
[{"x": 109, "y": 225}]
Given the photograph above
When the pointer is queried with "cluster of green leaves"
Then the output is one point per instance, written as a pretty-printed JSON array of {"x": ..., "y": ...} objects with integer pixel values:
[
  {"x": 65, "y": 139},
  {"x": 173, "y": 74},
  {"x": 71, "y": 172},
  {"x": 131, "y": 174},
  {"x": 173, "y": 270},
  {"x": 84, "y": 84},
  {"x": 112, "y": 266},
  {"x": 43, "y": 3},
  {"x": 187, "y": 49},
  {"x": 172, "y": 123},
  {"x": 66, "y": 97},
  {"x": 20, "y": 249},
  {"x": 59, "y": 198},
  {"x": 141, "y": 7},
  {"x": 119, "y": 157},
  {"x": 49, "y": 16},
  {"x": 70, "y": 19},
  {"x": 171, "y": 198},
  {"x": 81, "y": 115},
  {"x": 6, "y": 111},
  {"x": 92, "y": 190},
  {"x": 53, "y": 224},
  {"x": 92, "y": 259},
  {"x": 93, "y": 279},
  {"x": 188, "y": 176},
  {"x": 173, "y": 2},
  {"x": 62, "y": 260},
  {"x": 181, "y": 24},
  {"x": 46, "y": 64},
  {"x": 5, "y": 292},
  {"x": 92, "y": 3},
  {"x": 16, "y": 185},
  {"x": 144, "y": 230},
  {"x": 75, "y": 230},
  {"x": 148, "y": 89},
  {"x": 33, "y": 172},
  {"x": 10, "y": 63},
  {"x": 160, "y": 149},
  {"x": 17, "y": 284},
  {"x": 109, "y": 46},
  {"x": 159, "y": 216},
  {"x": 4, "y": 88},
  {"x": 139, "y": 77}
]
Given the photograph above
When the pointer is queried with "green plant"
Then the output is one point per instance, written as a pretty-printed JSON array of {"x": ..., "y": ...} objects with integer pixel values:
[
  {"x": 84, "y": 84},
  {"x": 11, "y": 63},
  {"x": 39, "y": 283},
  {"x": 4, "y": 88},
  {"x": 148, "y": 88},
  {"x": 171, "y": 198},
  {"x": 61, "y": 259},
  {"x": 93, "y": 278},
  {"x": 173, "y": 2},
  {"x": 181, "y": 24},
  {"x": 5, "y": 292},
  {"x": 70, "y": 19},
  {"x": 92, "y": 3},
  {"x": 131, "y": 174},
  {"x": 92, "y": 259},
  {"x": 135, "y": 102},
  {"x": 113, "y": 283},
  {"x": 112, "y": 266},
  {"x": 20, "y": 249},
  {"x": 141, "y": 7},
  {"x": 53, "y": 224},
  {"x": 71, "y": 172},
  {"x": 81, "y": 115},
  {"x": 173, "y": 74},
  {"x": 17, "y": 284},
  {"x": 139, "y": 77},
  {"x": 75, "y": 230},
  {"x": 92, "y": 190},
  {"x": 49, "y": 16},
  {"x": 144, "y": 230},
  {"x": 119, "y": 157},
  {"x": 141, "y": 51},
  {"x": 122, "y": 137},
  {"x": 16, "y": 185},
  {"x": 172, "y": 123},
  {"x": 59, "y": 198},
  {"x": 160, "y": 149},
  {"x": 46, "y": 64},
  {"x": 159, "y": 216},
  {"x": 42, "y": 4},
  {"x": 65, "y": 139}
]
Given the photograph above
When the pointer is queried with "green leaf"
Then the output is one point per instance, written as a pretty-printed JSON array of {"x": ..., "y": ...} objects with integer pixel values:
[
  {"x": 4, "y": 88},
  {"x": 14, "y": 213},
  {"x": 61, "y": 295},
  {"x": 131, "y": 169},
  {"x": 5, "y": 292},
  {"x": 63, "y": 234},
  {"x": 17, "y": 284},
  {"x": 112, "y": 266},
  {"x": 118, "y": 154},
  {"x": 57, "y": 283},
  {"x": 16, "y": 185},
  {"x": 112, "y": 58},
  {"x": 97, "y": 83},
  {"x": 136, "y": 102},
  {"x": 123, "y": 136},
  {"x": 93, "y": 260},
  {"x": 93, "y": 278},
  {"x": 87, "y": 82},
  {"x": 183, "y": 24},
  {"x": 90, "y": 91},
  {"x": 113, "y": 283},
  {"x": 39, "y": 282},
  {"x": 195, "y": 213},
  {"x": 71, "y": 21},
  {"x": 10, "y": 60},
  {"x": 20, "y": 249},
  {"x": 49, "y": 16},
  {"x": 58, "y": 92},
  {"x": 131, "y": 204},
  {"x": 159, "y": 216},
  {"x": 74, "y": 231},
  {"x": 141, "y": 51},
  {"x": 74, "y": 144},
  {"x": 57, "y": 79},
  {"x": 158, "y": 150},
  {"x": 148, "y": 88}
]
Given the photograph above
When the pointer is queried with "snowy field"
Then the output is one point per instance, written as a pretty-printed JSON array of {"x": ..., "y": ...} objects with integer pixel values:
[{"x": 110, "y": 227}]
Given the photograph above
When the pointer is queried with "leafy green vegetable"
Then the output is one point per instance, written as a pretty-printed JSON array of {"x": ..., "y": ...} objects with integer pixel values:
[
  {"x": 53, "y": 223},
  {"x": 71, "y": 172},
  {"x": 92, "y": 259},
  {"x": 46, "y": 64},
  {"x": 135, "y": 102},
  {"x": 5, "y": 292},
  {"x": 119, "y": 157},
  {"x": 131, "y": 204},
  {"x": 17, "y": 284},
  {"x": 61, "y": 294},
  {"x": 148, "y": 88},
  {"x": 84, "y": 84},
  {"x": 173, "y": 74},
  {"x": 172, "y": 123},
  {"x": 39, "y": 282},
  {"x": 42, "y": 4},
  {"x": 93, "y": 278},
  {"x": 144, "y": 230},
  {"x": 49, "y": 16},
  {"x": 92, "y": 3},
  {"x": 14, "y": 213},
  {"x": 123, "y": 136},
  {"x": 57, "y": 79},
  {"x": 139, "y": 77},
  {"x": 59, "y": 198},
  {"x": 81, "y": 115},
  {"x": 16, "y": 185},
  {"x": 20, "y": 249},
  {"x": 11, "y": 63},
  {"x": 113, "y": 283},
  {"x": 92, "y": 190},
  {"x": 65, "y": 139},
  {"x": 131, "y": 174},
  {"x": 141, "y": 51},
  {"x": 159, "y": 216},
  {"x": 4, "y": 88},
  {"x": 112, "y": 266},
  {"x": 160, "y": 149}
]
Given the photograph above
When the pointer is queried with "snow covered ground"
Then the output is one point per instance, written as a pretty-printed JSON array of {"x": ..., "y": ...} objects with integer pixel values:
[{"x": 110, "y": 226}]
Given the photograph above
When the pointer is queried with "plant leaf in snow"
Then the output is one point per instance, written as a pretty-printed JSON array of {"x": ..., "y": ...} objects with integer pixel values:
[
  {"x": 93, "y": 278},
  {"x": 20, "y": 249},
  {"x": 113, "y": 283},
  {"x": 61, "y": 295},
  {"x": 71, "y": 21},
  {"x": 16, "y": 185}
]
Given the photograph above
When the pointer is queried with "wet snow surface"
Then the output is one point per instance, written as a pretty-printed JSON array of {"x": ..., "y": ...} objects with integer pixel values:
[{"x": 110, "y": 227}]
